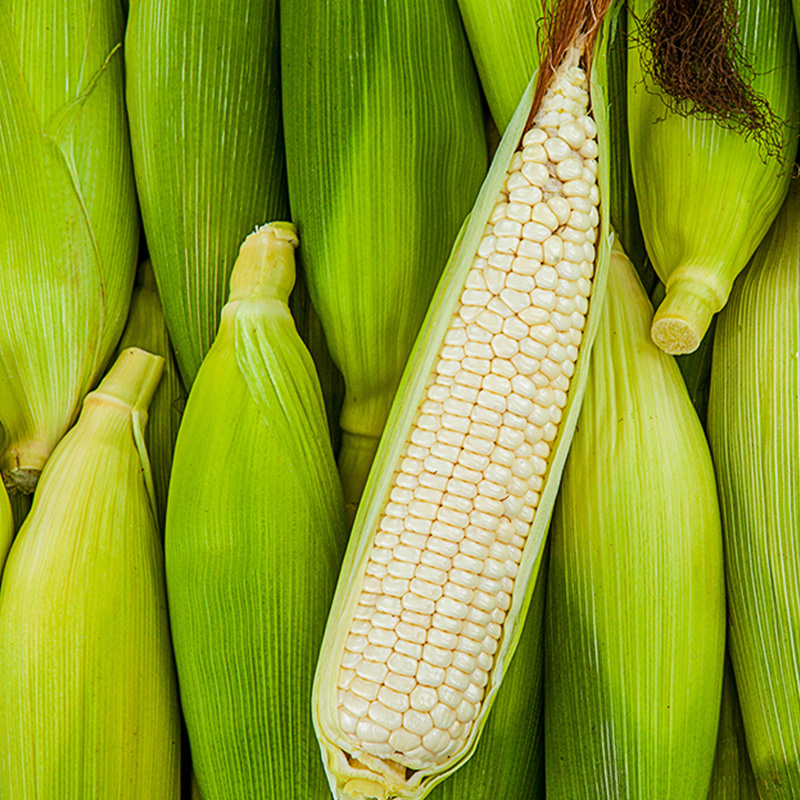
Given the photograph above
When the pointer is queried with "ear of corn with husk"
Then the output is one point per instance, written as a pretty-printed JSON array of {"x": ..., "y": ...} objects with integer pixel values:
[
  {"x": 635, "y": 620},
  {"x": 505, "y": 39},
  {"x": 255, "y": 533},
  {"x": 146, "y": 329},
  {"x": 707, "y": 193},
  {"x": 88, "y": 701},
  {"x": 732, "y": 777},
  {"x": 204, "y": 101},
  {"x": 448, "y": 539},
  {"x": 384, "y": 161},
  {"x": 753, "y": 427},
  {"x": 68, "y": 226}
]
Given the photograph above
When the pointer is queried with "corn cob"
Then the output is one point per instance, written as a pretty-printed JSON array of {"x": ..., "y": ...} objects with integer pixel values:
[
  {"x": 67, "y": 208},
  {"x": 504, "y": 39},
  {"x": 253, "y": 549},
  {"x": 375, "y": 149},
  {"x": 509, "y": 759},
  {"x": 448, "y": 539},
  {"x": 204, "y": 103},
  {"x": 88, "y": 700},
  {"x": 732, "y": 777},
  {"x": 635, "y": 620},
  {"x": 146, "y": 329},
  {"x": 753, "y": 428},
  {"x": 698, "y": 247}
]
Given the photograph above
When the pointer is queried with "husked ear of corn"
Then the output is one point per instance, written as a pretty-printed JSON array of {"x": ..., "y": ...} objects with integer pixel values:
[
  {"x": 255, "y": 535},
  {"x": 68, "y": 221},
  {"x": 508, "y": 762},
  {"x": 505, "y": 41},
  {"x": 753, "y": 419},
  {"x": 635, "y": 610},
  {"x": 385, "y": 150},
  {"x": 732, "y": 777},
  {"x": 88, "y": 700},
  {"x": 448, "y": 539},
  {"x": 709, "y": 188},
  {"x": 204, "y": 101},
  {"x": 147, "y": 329}
]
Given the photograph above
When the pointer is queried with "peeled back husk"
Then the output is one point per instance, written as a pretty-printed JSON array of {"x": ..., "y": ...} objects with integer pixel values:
[
  {"x": 635, "y": 619},
  {"x": 384, "y": 163},
  {"x": 147, "y": 329},
  {"x": 67, "y": 210},
  {"x": 708, "y": 192},
  {"x": 88, "y": 700},
  {"x": 204, "y": 103},
  {"x": 753, "y": 419},
  {"x": 254, "y": 538}
]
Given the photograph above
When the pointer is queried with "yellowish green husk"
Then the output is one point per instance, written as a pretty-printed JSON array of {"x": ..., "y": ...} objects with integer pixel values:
[
  {"x": 254, "y": 538},
  {"x": 635, "y": 614},
  {"x": 707, "y": 193},
  {"x": 383, "y": 165},
  {"x": 67, "y": 208},
  {"x": 89, "y": 701},
  {"x": 753, "y": 419},
  {"x": 147, "y": 329},
  {"x": 6, "y": 525},
  {"x": 204, "y": 102}
]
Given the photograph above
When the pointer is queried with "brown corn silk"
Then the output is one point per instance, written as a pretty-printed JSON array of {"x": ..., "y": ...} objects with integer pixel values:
[
  {"x": 67, "y": 208},
  {"x": 710, "y": 176},
  {"x": 89, "y": 701},
  {"x": 635, "y": 610},
  {"x": 385, "y": 151},
  {"x": 753, "y": 428},
  {"x": 204, "y": 103}
]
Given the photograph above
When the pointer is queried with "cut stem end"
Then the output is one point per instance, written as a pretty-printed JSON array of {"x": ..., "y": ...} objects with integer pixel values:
[{"x": 682, "y": 319}]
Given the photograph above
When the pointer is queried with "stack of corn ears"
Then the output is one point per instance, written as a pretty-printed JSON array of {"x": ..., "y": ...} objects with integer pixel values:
[
  {"x": 254, "y": 537},
  {"x": 204, "y": 102},
  {"x": 753, "y": 420},
  {"x": 679, "y": 160},
  {"x": 385, "y": 151},
  {"x": 448, "y": 540},
  {"x": 67, "y": 210},
  {"x": 88, "y": 701}
]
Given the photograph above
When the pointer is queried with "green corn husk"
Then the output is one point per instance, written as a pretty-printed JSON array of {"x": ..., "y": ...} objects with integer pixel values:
[
  {"x": 505, "y": 39},
  {"x": 146, "y": 329},
  {"x": 635, "y": 619},
  {"x": 6, "y": 525},
  {"x": 383, "y": 163},
  {"x": 204, "y": 104},
  {"x": 732, "y": 778},
  {"x": 707, "y": 193},
  {"x": 88, "y": 700},
  {"x": 67, "y": 208},
  {"x": 509, "y": 759},
  {"x": 753, "y": 428},
  {"x": 255, "y": 534}
]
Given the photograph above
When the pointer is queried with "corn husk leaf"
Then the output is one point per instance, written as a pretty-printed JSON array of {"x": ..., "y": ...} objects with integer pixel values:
[
  {"x": 255, "y": 533},
  {"x": 753, "y": 419},
  {"x": 6, "y": 525},
  {"x": 204, "y": 103},
  {"x": 383, "y": 165},
  {"x": 146, "y": 329},
  {"x": 88, "y": 702},
  {"x": 67, "y": 208},
  {"x": 345, "y": 777},
  {"x": 635, "y": 619},
  {"x": 698, "y": 245}
]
